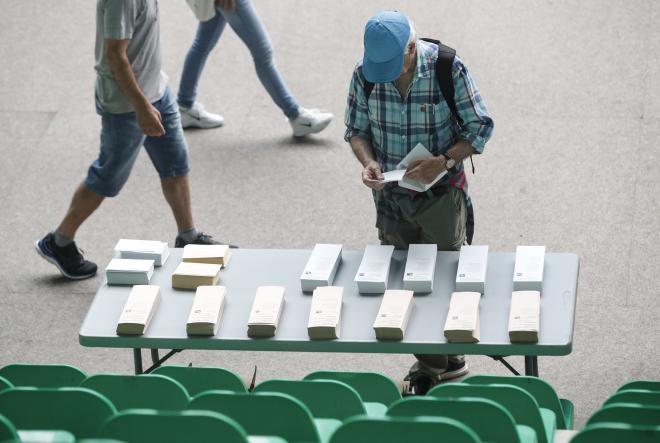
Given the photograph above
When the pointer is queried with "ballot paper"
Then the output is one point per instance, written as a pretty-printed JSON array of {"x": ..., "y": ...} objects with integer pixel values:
[
  {"x": 124, "y": 271},
  {"x": 524, "y": 316},
  {"x": 393, "y": 315},
  {"x": 143, "y": 250},
  {"x": 472, "y": 266},
  {"x": 374, "y": 270},
  {"x": 206, "y": 311},
  {"x": 266, "y": 311},
  {"x": 325, "y": 313},
  {"x": 321, "y": 266},
  {"x": 420, "y": 268},
  {"x": 528, "y": 270},
  {"x": 462, "y": 324},
  {"x": 138, "y": 310},
  {"x": 418, "y": 151}
]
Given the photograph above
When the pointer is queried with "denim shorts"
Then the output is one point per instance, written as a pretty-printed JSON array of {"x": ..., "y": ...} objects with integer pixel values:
[{"x": 121, "y": 140}]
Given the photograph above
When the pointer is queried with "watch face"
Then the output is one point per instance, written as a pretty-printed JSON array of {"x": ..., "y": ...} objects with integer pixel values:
[{"x": 450, "y": 163}]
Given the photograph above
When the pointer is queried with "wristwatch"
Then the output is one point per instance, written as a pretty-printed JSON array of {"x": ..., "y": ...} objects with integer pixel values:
[{"x": 450, "y": 161}]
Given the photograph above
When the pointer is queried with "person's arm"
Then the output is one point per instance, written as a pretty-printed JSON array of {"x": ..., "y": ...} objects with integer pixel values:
[
  {"x": 371, "y": 169},
  {"x": 147, "y": 115},
  {"x": 427, "y": 169}
]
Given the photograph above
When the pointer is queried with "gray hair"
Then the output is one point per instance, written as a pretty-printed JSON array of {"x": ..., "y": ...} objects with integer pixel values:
[{"x": 412, "y": 37}]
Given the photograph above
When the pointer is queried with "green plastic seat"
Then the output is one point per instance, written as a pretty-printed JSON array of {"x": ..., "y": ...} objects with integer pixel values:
[
  {"x": 199, "y": 379},
  {"x": 139, "y": 391},
  {"x": 262, "y": 414},
  {"x": 79, "y": 411},
  {"x": 403, "y": 429},
  {"x": 43, "y": 376},
  {"x": 488, "y": 419},
  {"x": 374, "y": 388},
  {"x": 150, "y": 426},
  {"x": 637, "y": 396},
  {"x": 644, "y": 385},
  {"x": 617, "y": 433},
  {"x": 542, "y": 391},
  {"x": 522, "y": 406},
  {"x": 627, "y": 413},
  {"x": 5, "y": 384},
  {"x": 7, "y": 429},
  {"x": 46, "y": 437}
]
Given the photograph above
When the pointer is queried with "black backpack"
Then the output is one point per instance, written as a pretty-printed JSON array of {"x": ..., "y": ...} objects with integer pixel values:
[{"x": 443, "y": 69}]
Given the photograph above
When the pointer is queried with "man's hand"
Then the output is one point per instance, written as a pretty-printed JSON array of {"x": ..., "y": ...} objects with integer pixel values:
[
  {"x": 149, "y": 120},
  {"x": 426, "y": 169},
  {"x": 370, "y": 174}
]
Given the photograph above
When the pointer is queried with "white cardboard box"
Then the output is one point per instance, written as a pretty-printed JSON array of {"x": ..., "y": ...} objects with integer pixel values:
[
  {"x": 462, "y": 324},
  {"x": 374, "y": 270},
  {"x": 325, "y": 313},
  {"x": 266, "y": 311},
  {"x": 472, "y": 267},
  {"x": 420, "y": 268},
  {"x": 206, "y": 310},
  {"x": 525, "y": 316},
  {"x": 321, "y": 266},
  {"x": 393, "y": 315},
  {"x": 528, "y": 271},
  {"x": 143, "y": 250},
  {"x": 138, "y": 310},
  {"x": 123, "y": 271}
]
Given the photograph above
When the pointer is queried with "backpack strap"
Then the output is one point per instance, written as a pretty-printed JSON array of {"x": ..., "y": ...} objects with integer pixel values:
[{"x": 444, "y": 67}]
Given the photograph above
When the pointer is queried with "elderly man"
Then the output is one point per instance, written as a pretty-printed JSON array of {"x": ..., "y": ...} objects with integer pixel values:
[
  {"x": 136, "y": 109},
  {"x": 395, "y": 102}
]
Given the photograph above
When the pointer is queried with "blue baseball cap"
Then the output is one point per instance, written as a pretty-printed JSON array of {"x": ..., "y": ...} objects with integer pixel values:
[{"x": 385, "y": 38}]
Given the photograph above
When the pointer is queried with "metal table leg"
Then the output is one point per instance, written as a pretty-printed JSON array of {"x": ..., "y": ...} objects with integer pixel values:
[
  {"x": 137, "y": 359},
  {"x": 531, "y": 365},
  {"x": 154, "y": 356}
]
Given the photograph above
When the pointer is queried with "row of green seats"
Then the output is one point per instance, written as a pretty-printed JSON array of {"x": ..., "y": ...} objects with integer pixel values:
[{"x": 631, "y": 415}]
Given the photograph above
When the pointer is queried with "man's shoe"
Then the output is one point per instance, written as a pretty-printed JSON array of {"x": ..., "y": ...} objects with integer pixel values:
[
  {"x": 422, "y": 377},
  {"x": 68, "y": 259},
  {"x": 201, "y": 239},
  {"x": 310, "y": 121},
  {"x": 198, "y": 117}
]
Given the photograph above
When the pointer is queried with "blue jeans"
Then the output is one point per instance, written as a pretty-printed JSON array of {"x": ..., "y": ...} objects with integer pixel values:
[
  {"x": 121, "y": 140},
  {"x": 246, "y": 24}
]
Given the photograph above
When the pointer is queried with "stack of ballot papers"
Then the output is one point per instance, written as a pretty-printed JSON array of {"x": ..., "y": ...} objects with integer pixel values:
[
  {"x": 192, "y": 275},
  {"x": 374, "y": 270},
  {"x": 206, "y": 310},
  {"x": 393, "y": 315},
  {"x": 124, "y": 271},
  {"x": 321, "y": 267},
  {"x": 524, "y": 316},
  {"x": 420, "y": 268},
  {"x": 462, "y": 324},
  {"x": 138, "y": 310},
  {"x": 211, "y": 254},
  {"x": 143, "y": 250},
  {"x": 266, "y": 311},
  {"x": 472, "y": 266},
  {"x": 528, "y": 271},
  {"x": 399, "y": 174},
  {"x": 325, "y": 313}
]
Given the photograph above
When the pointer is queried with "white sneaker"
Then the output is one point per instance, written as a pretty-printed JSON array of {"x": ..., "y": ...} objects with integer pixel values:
[
  {"x": 310, "y": 121},
  {"x": 198, "y": 117}
]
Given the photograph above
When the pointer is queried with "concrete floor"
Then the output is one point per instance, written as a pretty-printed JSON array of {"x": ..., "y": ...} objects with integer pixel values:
[{"x": 572, "y": 87}]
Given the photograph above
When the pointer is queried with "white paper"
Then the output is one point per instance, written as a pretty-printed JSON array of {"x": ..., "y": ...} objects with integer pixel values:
[
  {"x": 208, "y": 304},
  {"x": 197, "y": 269},
  {"x": 140, "y": 305},
  {"x": 463, "y": 312},
  {"x": 326, "y": 307},
  {"x": 394, "y": 309},
  {"x": 129, "y": 265},
  {"x": 321, "y": 266},
  {"x": 472, "y": 267},
  {"x": 267, "y": 306},
  {"x": 218, "y": 254},
  {"x": 418, "y": 151},
  {"x": 528, "y": 270},
  {"x": 420, "y": 267},
  {"x": 525, "y": 311}
]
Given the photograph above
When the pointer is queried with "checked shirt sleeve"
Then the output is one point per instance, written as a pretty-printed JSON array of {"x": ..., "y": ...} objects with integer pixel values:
[
  {"x": 356, "y": 117},
  {"x": 477, "y": 123}
]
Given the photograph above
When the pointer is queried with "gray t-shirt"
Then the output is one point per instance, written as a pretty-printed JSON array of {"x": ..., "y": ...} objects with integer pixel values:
[{"x": 137, "y": 21}]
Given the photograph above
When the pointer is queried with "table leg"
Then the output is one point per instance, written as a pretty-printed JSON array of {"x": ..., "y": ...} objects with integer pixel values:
[
  {"x": 137, "y": 359},
  {"x": 531, "y": 365},
  {"x": 154, "y": 357}
]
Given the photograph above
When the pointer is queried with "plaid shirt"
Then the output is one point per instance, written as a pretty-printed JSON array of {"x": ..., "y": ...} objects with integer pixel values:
[{"x": 395, "y": 126}]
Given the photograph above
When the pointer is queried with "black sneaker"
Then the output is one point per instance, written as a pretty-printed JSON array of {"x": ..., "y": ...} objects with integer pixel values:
[
  {"x": 68, "y": 259},
  {"x": 422, "y": 378},
  {"x": 201, "y": 239}
]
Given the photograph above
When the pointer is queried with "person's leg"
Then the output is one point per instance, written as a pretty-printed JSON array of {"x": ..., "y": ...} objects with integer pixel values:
[
  {"x": 176, "y": 190},
  {"x": 121, "y": 139},
  {"x": 207, "y": 36},
  {"x": 247, "y": 25}
]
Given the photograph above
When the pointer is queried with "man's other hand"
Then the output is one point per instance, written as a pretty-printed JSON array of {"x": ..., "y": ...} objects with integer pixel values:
[
  {"x": 370, "y": 174},
  {"x": 426, "y": 169},
  {"x": 150, "y": 120}
]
